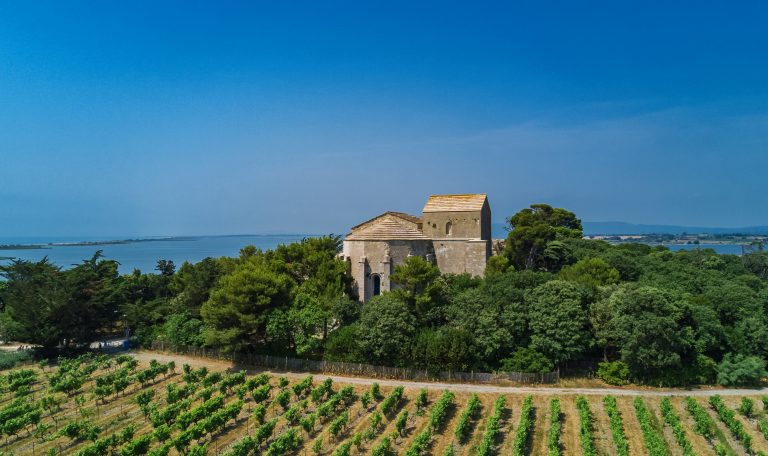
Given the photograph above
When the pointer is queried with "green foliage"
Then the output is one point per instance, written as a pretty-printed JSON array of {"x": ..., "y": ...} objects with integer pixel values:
[
  {"x": 524, "y": 428},
  {"x": 617, "y": 426},
  {"x": 339, "y": 424},
  {"x": 497, "y": 265},
  {"x": 9, "y": 360},
  {"x": 673, "y": 420},
  {"x": 463, "y": 427},
  {"x": 728, "y": 417},
  {"x": 386, "y": 329},
  {"x": 739, "y": 369},
  {"x": 238, "y": 309},
  {"x": 555, "y": 426},
  {"x": 648, "y": 323},
  {"x": 585, "y": 427},
  {"x": 532, "y": 230},
  {"x": 652, "y": 437},
  {"x": 442, "y": 349},
  {"x": 285, "y": 443},
  {"x": 417, "y": 286},
  {"x": 384, "y": 448},
  {"x": 527, "y": 360},
  {"x": 747, "y": 407},
  {"x": 401, "y": 422},
  {"x": 421, "y": 401},
  {"x": 485, "y": 447},
  {"x": 439, "y": 411},
  {"x": 703, "y": 422},
  {"x": 390, "y": 403},
  {"x": 591, "y": 272},
  {"x": 44, "y": 304},
  {"x": 558, "y": 321},
  {"x": 613, "y": 373}
]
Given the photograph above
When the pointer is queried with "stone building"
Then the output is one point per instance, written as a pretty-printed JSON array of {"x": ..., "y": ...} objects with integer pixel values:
[{"x": 454, "y": 232}]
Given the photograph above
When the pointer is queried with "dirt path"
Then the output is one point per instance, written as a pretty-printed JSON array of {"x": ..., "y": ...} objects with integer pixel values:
[{"x": 461, "y": 387}]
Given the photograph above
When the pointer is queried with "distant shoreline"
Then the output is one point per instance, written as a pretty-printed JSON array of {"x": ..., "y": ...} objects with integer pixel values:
[
  {"x": 42, "y": 246},
  {"x": 49, "y": 245}
]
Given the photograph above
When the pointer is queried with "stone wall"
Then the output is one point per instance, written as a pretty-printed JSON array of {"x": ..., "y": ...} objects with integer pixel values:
[
  {"x": 369, "y": 258},
  {"x": 464, "y": 225},
  {"x": 462, "y": 256}
]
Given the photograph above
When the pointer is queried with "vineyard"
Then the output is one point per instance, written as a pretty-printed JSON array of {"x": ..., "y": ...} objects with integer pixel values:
[{"x": 103, "y": 405}]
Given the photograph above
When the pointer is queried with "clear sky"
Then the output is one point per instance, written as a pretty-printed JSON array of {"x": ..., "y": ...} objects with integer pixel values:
[{"x": 163, "y": 118}]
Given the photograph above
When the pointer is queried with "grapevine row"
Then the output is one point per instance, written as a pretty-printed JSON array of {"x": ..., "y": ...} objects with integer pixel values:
[
  {"x": 654, "y": 442},
  {"x": 524, "y": 427},
  {"x": 585, "y": 427},
  {"x": 491, "y": 428},
  {"x": 617, "y": 426},
  {"x": 671, "y": 418},
  {"x": 555, "y": 424}
]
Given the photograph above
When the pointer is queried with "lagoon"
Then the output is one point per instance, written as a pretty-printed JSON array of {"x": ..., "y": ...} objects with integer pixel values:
[
  {"x": 142, "y": 255},
  {"x": 145, "y": 252}
]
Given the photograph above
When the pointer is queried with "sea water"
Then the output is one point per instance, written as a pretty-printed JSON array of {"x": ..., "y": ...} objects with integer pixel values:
[{"x": 145, "y": 254}]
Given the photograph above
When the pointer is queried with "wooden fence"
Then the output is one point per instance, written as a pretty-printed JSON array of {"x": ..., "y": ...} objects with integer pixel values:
[{"x": 288, "y": 364}]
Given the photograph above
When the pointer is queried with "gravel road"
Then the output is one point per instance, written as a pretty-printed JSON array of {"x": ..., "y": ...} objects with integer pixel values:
[{"x": 145, "y": 356}]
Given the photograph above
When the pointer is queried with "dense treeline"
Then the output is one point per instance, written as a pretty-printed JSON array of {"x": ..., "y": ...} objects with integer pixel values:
[{"x": 552, "y": 299}]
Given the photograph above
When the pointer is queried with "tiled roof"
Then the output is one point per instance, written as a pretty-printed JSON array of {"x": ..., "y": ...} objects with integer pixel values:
[
  {"x": 455, "y": 203},
  {"x": 388, "y": 226}
]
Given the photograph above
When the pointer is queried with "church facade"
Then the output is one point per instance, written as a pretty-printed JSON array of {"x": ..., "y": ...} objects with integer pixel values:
[{"x": 454, "y": 232}]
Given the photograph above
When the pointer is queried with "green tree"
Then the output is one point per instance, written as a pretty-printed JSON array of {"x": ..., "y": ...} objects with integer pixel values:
[
  {"x": 558, "y": 321},
  {"x": 527, "y": 360},
  {"x": 385, "y": 331},
  {"x": 591, "y": 272},
  {"x": 494, "y": 314},
  {"x": 652, "y": 339},
  {"x": 441, "y": 349},
  {"x": 237, "y": 312},
  {"x": 417, "y": 285},
  {"x": 531, "y": 231},
  {"x": 182, "y": 329},
  {"x": 33, "y": 295},
  {"x": 497, "y": 265},
  {"x": 44, "y": 305},
  {"x": 192, "y": 285},
  {"x": 735, "y": 370}
]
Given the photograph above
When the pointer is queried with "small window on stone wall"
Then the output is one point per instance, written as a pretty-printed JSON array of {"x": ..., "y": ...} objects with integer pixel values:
[
  {"x": 376, "y": 284},
  {"x": 448, "y": 228}
]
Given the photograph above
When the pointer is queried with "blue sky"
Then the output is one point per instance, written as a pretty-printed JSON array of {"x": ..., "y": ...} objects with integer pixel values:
[{"x": 160, "y": 118}]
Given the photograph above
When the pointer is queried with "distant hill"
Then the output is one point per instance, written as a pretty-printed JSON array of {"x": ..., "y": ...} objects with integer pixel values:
[{"x": 592, "y": 228}]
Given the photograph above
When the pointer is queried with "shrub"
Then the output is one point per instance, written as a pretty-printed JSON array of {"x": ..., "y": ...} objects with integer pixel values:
[
  {"x": 527, "y": 360},
  {"x": 613, "y": 373},
  {"x": 9, "y": 360},
  {"x": 738, "y": 369},
  {"x": 747, "y": 407}
]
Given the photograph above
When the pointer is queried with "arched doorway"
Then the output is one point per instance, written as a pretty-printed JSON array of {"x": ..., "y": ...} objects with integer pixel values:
[{"x": 376, "y": 284}]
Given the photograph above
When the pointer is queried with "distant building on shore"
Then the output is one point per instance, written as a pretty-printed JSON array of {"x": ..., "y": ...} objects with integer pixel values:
[{"x": 454, "y": 232}]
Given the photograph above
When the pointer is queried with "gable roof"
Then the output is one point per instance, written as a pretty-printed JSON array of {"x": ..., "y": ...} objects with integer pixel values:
[
  {"x": 456, "y": 203},
  {"x": 388, "y": 226}
]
